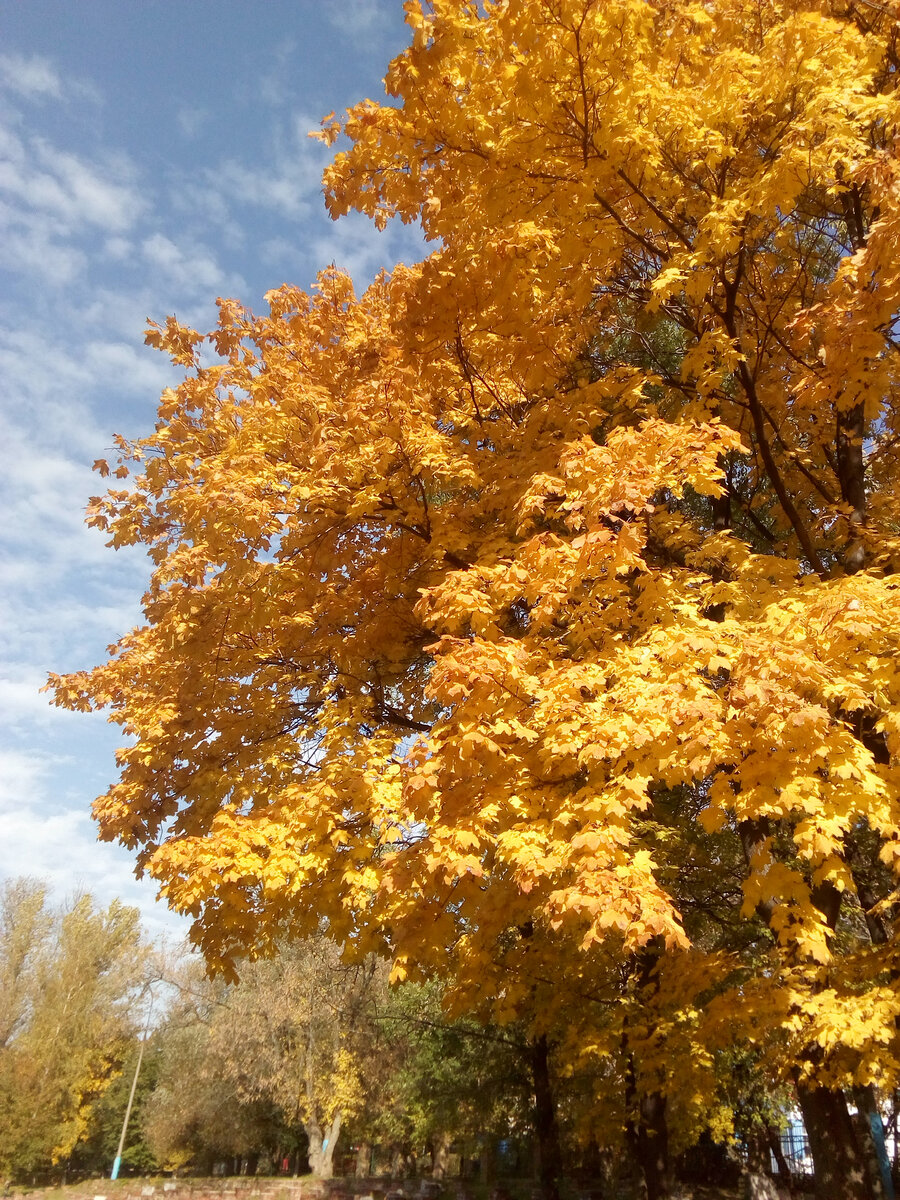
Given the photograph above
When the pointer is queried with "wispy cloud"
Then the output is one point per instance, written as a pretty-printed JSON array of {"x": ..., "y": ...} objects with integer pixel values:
[
  {"x": 283, "y": 180},
  {"x": 59, "y": 845},
  {"x": 94, "y": 242},
  {"x": 31, "y": 76},
  {"x": 288, "y": 187},
  {"x": 353, "y": 245},
  {"x": 361, "y": 20},
  {"x": 50, "y": 198},
  {"x": 21, "y": 698},
  {"x": 277, "y": 85},
  {"x": 192, "y": 119},
  {"x": 50, "y": 383},
  {"x": 67, "y": 188},
  {"x": 28, "y": 247},
  {"x": 188, "y": 268}
]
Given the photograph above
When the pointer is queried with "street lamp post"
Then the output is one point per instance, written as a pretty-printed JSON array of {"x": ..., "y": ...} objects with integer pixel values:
[{"x": 114, "y": 1174}]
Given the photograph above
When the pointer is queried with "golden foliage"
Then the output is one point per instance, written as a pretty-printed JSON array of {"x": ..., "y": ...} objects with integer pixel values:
[{"x": 459, "y": 583}]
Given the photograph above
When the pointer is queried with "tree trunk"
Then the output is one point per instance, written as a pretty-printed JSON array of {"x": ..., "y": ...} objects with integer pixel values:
[
  {"x": 648, "y": 1136},
  {"x": 870, "y": 1134},
  {"x": 840, "y": 1167},
  {"x": 321, "y": 1147},
  {"x": 486, "y": 1161},
  {"x": 653, "y": 1146},
  {"x": 758, "y": 1181},
  {"x": 314, "y": 1153},
  {"x": 773, "y": 1137},
  {"x": 841, "y": 1163},
  {"x": 851, "y": 469},
  {"x": 545, "y": 1125},
  {"x": 440, "y": 1155},
  {"x": 363, "y": 1160}
]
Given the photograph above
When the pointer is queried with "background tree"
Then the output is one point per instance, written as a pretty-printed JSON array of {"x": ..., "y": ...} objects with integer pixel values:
[
  {"x": 442, "y": 1082},
  {"x": 270, "y": 1066},
  {"x": 76, "y": 974},
  {"x": 196, "y": 1118},
  {"x": 294, "y": 1033},
  {"x": 95, "y": 1153},
  {"x": 24, "y": 927}
]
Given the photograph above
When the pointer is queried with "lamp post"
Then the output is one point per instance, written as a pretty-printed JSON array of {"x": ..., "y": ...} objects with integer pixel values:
[{"x": 114, "y": 1174}]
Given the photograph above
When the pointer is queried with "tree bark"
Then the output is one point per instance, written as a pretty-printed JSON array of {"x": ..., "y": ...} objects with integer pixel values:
[
  {"x": 773, "y": 1137},
  {"x": 839, "y": 1164},
  {"x": 440, "y": 1155},
  {"x": 321, "y": 1147},
  {"x": 363, "y": 1159},
  {"x": 870, "y": 1134},
  {"x": 851, "y": 465},
  {"x": 840, "y": 1157},
  {"x": 649, "y": 1134},
  {"x": 545, "y": 1125},
  {"x": 758, "y": 1181},
  {"x": 653, "y": 1145}
]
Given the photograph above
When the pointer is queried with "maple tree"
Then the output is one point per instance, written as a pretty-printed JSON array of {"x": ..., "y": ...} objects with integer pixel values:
[{"x": 482, "y": 602}]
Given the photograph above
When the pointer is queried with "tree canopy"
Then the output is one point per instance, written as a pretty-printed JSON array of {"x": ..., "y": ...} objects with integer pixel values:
[
  {"x": 70, "y": 977},
  {"x": 532, "y": 618}
]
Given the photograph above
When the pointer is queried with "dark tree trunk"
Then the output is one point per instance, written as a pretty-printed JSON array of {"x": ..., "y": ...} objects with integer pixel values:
[
  {"x": 840, "y": 1165},
  {"x": 784, "y": 1170},
  {"x": 758, "y": 1181},
  {"x": 841, "y": 1159},
  {"x": 653, "y": 1146},
  {"x": 851, "y": 469},
  {"x": 648, "y": 1135},
  {"x": 545, "y": 1125}
]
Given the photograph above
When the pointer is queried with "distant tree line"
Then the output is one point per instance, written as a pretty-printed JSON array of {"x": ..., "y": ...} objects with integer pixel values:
[
  {"x": 306, "y": 1063},
  {"x": 309, "y": 1062}
]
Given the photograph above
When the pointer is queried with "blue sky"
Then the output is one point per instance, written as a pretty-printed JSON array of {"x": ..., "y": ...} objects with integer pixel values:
[{"x": 153, "y": 155}]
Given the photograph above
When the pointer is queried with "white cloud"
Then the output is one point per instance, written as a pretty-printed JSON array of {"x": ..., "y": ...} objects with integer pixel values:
[
  {"x": 81, "y": 192},
  {"x": 290, "y": 188},
  {"x": 40, "y": 839},
  {"x": 204, "y": 202},
  {"x": 50, "y": 198},
  {"x": 27, "y": 247},
  {"x": 127, "y": 367},
  {"x": 285, "y": 256},
  {"x": 64, "y": 594},
  {"x": 286, "y": 182},
  {"x": 192, "y": 119},
  {"x": 21, "y": 698},
  {"x": 54, "y": 386},
  {"x": 34, "y": 77},
  {"x": 356, "y": 246},
  {"x": 361, "y": 20},
  {"x": 277, "y": 86},
  {"x": 45, "y": 494},
  {"x": 98, "y": 243},
  {"x": 190, "y": 268},
  {"x": 68, "y": 188},
  {"x": 118, "y": 248}
]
